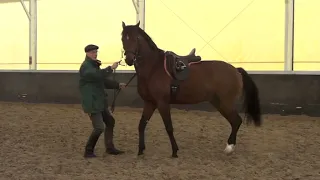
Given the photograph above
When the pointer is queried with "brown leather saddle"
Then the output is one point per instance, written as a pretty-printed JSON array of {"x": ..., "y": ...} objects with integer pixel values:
[{"x": 178, "y": 66}]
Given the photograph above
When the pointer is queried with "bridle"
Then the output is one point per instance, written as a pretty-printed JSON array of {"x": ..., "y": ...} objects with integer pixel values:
[{"x": 136, "y": 53}]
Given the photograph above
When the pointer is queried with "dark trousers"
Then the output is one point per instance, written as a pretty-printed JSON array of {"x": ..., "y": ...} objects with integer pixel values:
[{"x": 101, "y": 122}]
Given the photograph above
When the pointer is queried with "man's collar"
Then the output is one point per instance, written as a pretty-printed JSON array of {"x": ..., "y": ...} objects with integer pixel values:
[
  {"x": 94, "y": 62},
  {"x": 88, "y": 58}
]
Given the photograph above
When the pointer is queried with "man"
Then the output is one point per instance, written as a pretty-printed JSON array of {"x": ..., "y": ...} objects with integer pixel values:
[{"x": 92, "y": 85}]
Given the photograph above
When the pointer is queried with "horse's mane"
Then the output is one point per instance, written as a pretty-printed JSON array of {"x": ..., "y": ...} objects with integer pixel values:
[{"x": 150, "y": 42}]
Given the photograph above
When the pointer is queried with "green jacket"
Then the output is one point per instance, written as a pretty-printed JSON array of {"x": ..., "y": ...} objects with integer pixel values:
[{"x": 92, "y": 83}]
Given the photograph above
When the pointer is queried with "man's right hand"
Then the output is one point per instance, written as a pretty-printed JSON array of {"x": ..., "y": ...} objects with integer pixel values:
[{"x": 115, "y": 65}]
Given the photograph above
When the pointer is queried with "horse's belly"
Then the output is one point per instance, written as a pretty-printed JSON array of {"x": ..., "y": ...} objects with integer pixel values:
[{"x": 197, "y": 88}]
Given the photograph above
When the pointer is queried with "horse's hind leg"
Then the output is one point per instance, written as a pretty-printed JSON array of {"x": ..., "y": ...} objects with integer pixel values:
[
  {"x": 233, "y": 117},
  {"x": 164, "y": 110}
]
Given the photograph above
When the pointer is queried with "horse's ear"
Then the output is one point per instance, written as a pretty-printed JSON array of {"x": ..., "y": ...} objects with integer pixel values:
[
  {"x": 123, "y": 25},
  {"x": 138, "y": 24}
]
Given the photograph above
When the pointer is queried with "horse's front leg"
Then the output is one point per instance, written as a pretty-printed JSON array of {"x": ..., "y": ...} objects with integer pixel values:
[
  {"x": 148, "y": 111},
  {"x": 164, "y": 110}
]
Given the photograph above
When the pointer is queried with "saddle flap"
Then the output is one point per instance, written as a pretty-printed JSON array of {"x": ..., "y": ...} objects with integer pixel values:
[{"x": 182, "y": 75}]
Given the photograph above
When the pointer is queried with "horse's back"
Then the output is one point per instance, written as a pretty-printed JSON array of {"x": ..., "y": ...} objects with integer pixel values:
[
  {"x": 221, "y": 75},
  {"x": 215, "y": 67}
]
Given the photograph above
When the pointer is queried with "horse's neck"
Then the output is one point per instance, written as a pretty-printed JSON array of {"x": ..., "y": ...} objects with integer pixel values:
[{"x": 151, "y": 59}]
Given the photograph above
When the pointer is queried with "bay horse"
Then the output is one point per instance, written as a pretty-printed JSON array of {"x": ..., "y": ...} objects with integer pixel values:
[{"x": 159, "y": 84}]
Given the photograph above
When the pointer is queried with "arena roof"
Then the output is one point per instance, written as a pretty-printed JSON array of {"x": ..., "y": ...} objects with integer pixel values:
[
  {"x": 288, "y": 24},
  {"x": 10, "y": 1}
]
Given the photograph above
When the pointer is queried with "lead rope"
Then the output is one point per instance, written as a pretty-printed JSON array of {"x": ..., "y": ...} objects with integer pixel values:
[
  {"x": 114, "y": 92},
  {"x": 117, "y": 91}
]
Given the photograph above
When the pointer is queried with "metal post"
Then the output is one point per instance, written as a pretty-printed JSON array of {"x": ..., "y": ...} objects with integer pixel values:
[
  {"x": 136, "y": 7},
  {"x": 137, "y": 11},
  {"x": 32, "y": 16},
  {"x": 142, "y": 13},
  {"x": 289, "y": 35},
  {"x": 140, "y": 10},
  {"x": 25, "y": 9},
  {"x": 33, "y": 35}
]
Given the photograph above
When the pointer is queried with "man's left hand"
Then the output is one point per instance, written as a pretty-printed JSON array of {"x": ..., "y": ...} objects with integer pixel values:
[{"x": 122, "y": 85}]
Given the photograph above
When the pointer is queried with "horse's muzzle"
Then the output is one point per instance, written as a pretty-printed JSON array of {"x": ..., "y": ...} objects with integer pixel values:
[{"x": 129, "y": 62}]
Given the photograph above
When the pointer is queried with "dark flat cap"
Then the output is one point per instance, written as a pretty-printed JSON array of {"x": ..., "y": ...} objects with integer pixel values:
[{"x": 91, "y": 47}]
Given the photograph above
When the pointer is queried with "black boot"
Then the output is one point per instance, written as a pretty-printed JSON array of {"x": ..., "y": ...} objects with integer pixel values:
[
  {"x": 92, "y": 141},
  {"x": 108, "y": 139}
]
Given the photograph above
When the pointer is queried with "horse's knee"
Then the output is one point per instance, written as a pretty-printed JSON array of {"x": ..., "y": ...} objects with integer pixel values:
[{"x": 142, "y": 124}]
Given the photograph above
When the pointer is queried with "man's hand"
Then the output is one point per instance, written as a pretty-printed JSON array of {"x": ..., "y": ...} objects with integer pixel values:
[
  {"x": 115, "y": 65},
  {"x": 122, "y": 85}
]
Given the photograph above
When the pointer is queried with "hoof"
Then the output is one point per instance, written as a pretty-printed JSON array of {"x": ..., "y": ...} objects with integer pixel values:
[
  {"x": 89, "y": 155},
  {"x": 229, "y": 148},
  {"x": 140, "y": 152},
  {"x": 174, "y": 156},
  {"x": 114, "y": 151}
]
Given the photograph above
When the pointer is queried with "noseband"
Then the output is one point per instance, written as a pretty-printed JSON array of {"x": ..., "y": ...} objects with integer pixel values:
[{"x": 136, "y": 54}]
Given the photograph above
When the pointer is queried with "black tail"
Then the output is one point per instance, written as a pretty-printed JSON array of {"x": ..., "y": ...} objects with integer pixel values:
[{"x": 251, "y": 100}]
